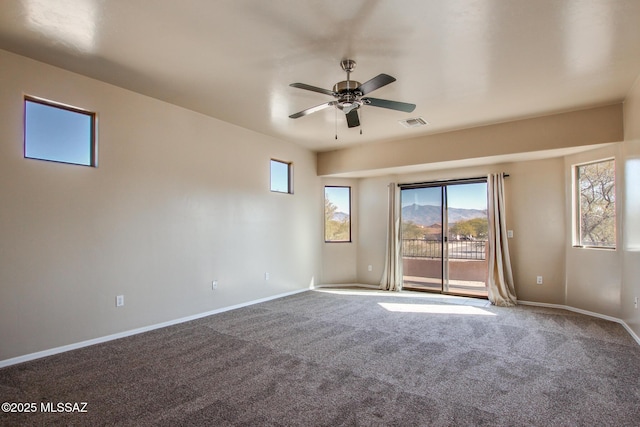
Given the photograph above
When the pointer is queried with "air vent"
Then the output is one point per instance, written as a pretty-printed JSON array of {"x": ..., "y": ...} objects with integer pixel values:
[{"x": 414, "y": 123}]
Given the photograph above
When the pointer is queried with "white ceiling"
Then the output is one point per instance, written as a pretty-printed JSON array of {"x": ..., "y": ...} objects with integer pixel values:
[{"x": 463, "y": 63}]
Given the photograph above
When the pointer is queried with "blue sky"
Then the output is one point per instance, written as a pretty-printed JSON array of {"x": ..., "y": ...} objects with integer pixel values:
[
  {"x": 279, "y": 176},
  {"x": 339, "y": 196},
  {"x": 464, "y": 196},
  {"x": 57, "y": 134}
]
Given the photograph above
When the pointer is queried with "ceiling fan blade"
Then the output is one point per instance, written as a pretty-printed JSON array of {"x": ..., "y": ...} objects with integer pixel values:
[
  {"x": 312, "y": 88},
  {"x": 375, "y": 83},
  {"x": 352, "y": 119},
  {"x": 312, "y": 109},
  {"x": 392, "y": 105}
]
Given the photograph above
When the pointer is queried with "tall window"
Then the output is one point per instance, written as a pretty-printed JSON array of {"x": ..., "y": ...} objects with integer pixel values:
[
  {"x": 58, "y": 133},
  {"x": 281, "y": 177},
  {"x": 337, "y": 214},
  {"x": 595, "y": 204}
]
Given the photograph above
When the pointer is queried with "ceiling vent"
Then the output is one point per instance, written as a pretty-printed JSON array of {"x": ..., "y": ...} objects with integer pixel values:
[{"x": 414, "y": 122}]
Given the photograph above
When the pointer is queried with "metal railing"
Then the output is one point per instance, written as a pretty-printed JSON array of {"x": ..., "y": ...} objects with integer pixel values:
[{"x": 457, "y": 249}]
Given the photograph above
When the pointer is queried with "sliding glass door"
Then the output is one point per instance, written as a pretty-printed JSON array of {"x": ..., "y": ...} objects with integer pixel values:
[{"x": 444, "y": 236}]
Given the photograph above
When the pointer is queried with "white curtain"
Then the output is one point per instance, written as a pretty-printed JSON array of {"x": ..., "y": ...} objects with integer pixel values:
[
  {"x": 392, "y": 275},
  {"x": 500, "y": 283}
]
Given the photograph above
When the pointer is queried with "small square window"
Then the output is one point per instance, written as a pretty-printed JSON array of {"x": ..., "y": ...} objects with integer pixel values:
[
  {"x": 281, "y": 177},
  {"x": 58, "y": 133},
  {"x": 337, "y": 214}
]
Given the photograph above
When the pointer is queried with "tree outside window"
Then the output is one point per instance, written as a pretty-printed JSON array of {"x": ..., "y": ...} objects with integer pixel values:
[
  {"x": 337, "y": 214},
  {"x": 596, "y": 197}
]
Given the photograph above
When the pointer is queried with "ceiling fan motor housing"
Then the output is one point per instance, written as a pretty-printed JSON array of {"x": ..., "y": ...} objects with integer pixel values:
[
  {"x": 346, "y": 86},
  {"x": 348, "y": 97}
]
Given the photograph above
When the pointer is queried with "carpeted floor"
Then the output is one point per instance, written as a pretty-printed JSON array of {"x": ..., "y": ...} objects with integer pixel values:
[{"x": 342, "y": 358}]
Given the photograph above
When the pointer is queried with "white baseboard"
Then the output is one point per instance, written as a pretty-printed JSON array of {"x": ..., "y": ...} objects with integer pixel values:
[
  {"x": 346, "y": 285},
  {"x": 87, "y": 343},
  {"x": 586, "y": 312}
]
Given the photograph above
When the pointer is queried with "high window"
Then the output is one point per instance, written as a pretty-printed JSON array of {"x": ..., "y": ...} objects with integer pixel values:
[
  {"x": 58, "y": 133},
  {"x": 281, "y": 177},
  {"x": 337, "y": 214},
  {"x": 595, "y": 207}
]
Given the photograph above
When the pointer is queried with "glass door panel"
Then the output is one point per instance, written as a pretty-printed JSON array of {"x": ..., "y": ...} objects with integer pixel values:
[
  {"x": 422, "y": 238},
  {"x": 466, "y": 261}
]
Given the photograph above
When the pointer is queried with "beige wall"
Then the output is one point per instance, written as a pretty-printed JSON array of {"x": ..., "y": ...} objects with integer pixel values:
[
  {"x": 536, "y": 215},
  {"x": 574, "y": 129},
  {"x": 372, "y": 223},
  {"x": 535, "y": 197},
  {"x": 630, "y": 152},
  {"x": 178, "y": 199}
]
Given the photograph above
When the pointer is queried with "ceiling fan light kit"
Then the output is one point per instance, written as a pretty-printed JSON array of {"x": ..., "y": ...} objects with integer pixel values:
[{"x": 350, "y": 94}]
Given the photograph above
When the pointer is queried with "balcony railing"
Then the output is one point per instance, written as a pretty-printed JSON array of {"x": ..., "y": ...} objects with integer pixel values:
[{"x": 457, "y": 249}]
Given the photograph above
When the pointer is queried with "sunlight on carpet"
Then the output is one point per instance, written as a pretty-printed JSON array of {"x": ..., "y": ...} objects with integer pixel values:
[
  {"x": 427, "y": 296},
  {"x": 434, "y": 309}
]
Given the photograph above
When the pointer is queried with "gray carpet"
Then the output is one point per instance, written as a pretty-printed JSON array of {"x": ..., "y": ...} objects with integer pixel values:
[{"x": 321, "y": 358}]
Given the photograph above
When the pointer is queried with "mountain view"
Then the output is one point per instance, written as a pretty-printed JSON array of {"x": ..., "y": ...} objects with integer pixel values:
[
  {"x": 427, "y": 215},
  {"x": 339, "y": 216}
]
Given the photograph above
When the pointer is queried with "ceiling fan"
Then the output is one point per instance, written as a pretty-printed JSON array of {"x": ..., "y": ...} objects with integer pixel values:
[{"x": 350, "y": 95}]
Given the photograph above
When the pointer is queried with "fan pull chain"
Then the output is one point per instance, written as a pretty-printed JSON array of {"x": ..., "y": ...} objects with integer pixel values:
[{"x": 336, "y": 121}]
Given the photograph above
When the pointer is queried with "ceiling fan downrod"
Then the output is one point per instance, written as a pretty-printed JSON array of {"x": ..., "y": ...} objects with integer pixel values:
[
  {"x": 348, "y": 65},
  {"x": 346, "y": 90}
]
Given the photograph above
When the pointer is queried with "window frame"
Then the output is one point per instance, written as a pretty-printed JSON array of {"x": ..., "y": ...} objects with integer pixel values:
[
  {"x": 350, "y": 240},
  {"x": 289, "y": 176},
  {"x": 93, "y": 158},
  {"x": 577, "y": 206}
]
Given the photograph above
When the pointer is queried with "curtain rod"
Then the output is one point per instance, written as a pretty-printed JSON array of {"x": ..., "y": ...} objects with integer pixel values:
[{"x": 449, "y": 181}]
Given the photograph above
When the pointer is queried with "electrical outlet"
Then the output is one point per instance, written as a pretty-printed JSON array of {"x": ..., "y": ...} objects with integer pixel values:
[
  {"x": 214, "y": 285},
  {"x": 370, "y": 268},
  {"x": 510, "y": 234},
  {"x": 119, "y": 300},
  {"x": 539, "y": 280},
  {"x": 266, "y": 276},
  {"x": 635, "y": 303}
]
